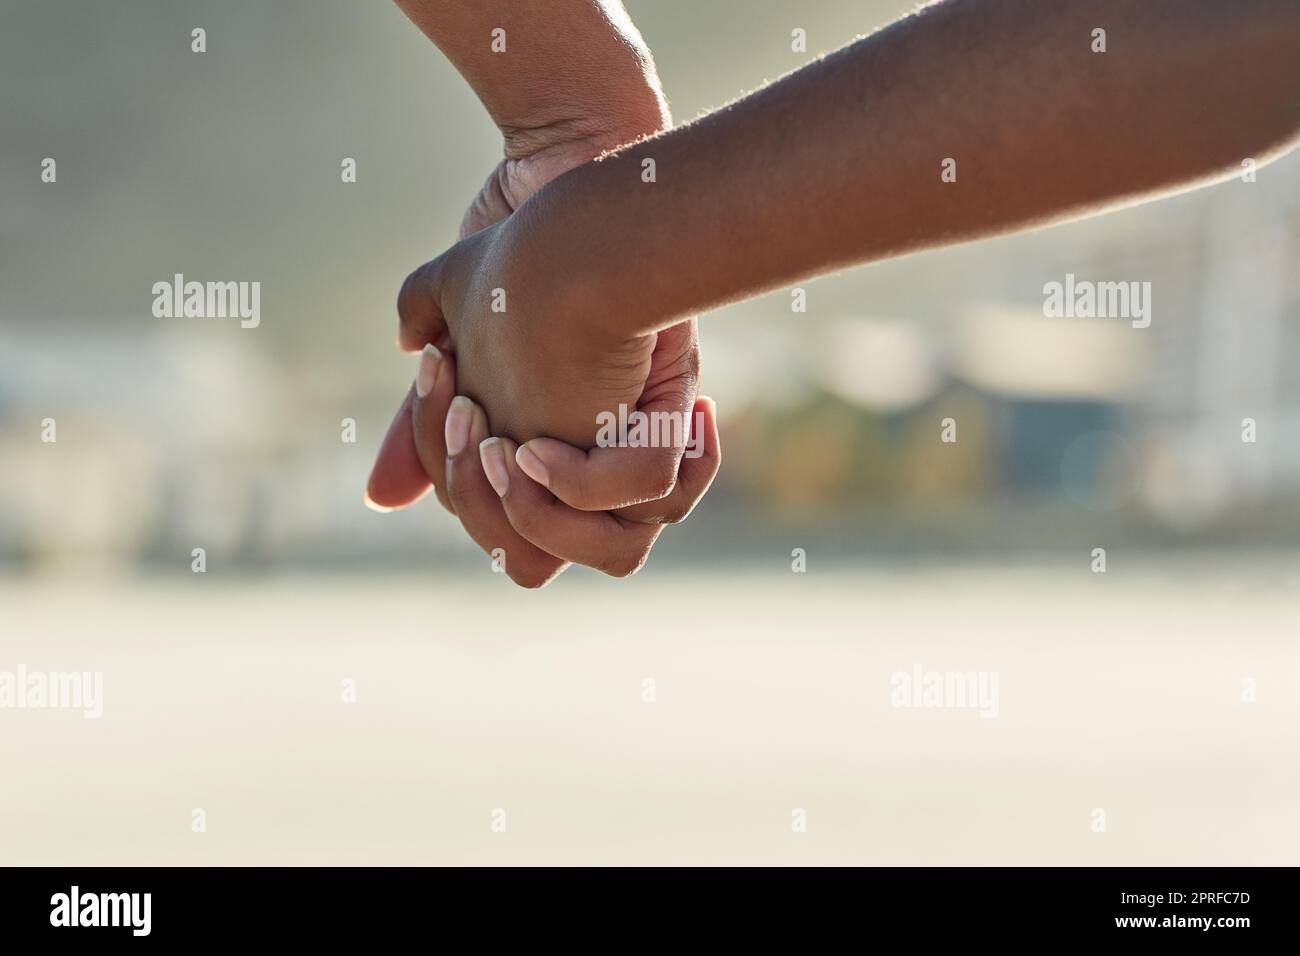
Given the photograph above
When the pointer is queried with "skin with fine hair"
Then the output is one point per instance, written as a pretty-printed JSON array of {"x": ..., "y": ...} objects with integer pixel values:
[{"x": 834, "y": 165}]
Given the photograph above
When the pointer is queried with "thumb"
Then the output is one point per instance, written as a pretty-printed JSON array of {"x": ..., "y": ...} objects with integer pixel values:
[{"x": 419, "y": 309}]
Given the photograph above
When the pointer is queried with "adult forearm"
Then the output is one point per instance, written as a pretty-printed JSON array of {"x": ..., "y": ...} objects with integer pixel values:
[
  {"x": 541, "y": 66},
  {"x": 842, "y": 162}
]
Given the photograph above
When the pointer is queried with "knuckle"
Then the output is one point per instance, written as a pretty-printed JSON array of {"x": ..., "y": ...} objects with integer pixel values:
[
  {"x": 524, "y": 520},
  {"x": 677, "y": 512},
  {"x": 692, "y": 364},
  {"x": 684, "y": 499},
  {"x": 625, "y": 565},
  {"x": 530, "y": 576},
  {"x": 407, "y": 297},
  {"x": 658, "y": 475},
  {"x": 457, "y": 492},
  {"x": 630, "y": 559},
  {"x": 580, "y": 490},
  {"x": 415, "y": 297},
  {"x": 525, "y": 579}
]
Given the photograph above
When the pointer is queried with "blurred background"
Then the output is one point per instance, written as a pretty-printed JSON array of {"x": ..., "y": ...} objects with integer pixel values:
[{"x": 1121, "y": 690}]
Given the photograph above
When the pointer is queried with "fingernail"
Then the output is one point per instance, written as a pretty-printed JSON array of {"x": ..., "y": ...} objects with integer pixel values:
[
  {"x": 532, "y": 466},
  {"x": 493, "y": 455},
  {"x": 457, "y": 430},
  {"x": 426, "y": 375},
  {"x": 370, "y": 503}
]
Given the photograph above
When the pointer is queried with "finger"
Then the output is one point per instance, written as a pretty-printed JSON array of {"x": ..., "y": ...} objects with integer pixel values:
[
  {"x": 401, "y": 475},
  {"x": 605, "y": 478},
  {"x": 397, "y": 478},
  {"x": 674, "y": 366},
  {"x": 419, "y": 310},
  {"x": 489, "y": 206},
  {"x": 637, "y": 455},
  {"x": 597, "y": 539},
  {"x": 435, "y": 387},
  {"x": 478, "y": 506},
  {"x": 698, "y": 468}
]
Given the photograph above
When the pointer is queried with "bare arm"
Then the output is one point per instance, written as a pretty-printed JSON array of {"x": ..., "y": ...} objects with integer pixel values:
[
  {"x": 839, "y": 162},
  {"x": 557, "y": 69}
]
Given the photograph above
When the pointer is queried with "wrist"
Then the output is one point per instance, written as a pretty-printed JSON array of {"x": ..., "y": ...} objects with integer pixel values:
[
  {"x": 538, "y": 152},
  {"x": 593, "y": 126}
]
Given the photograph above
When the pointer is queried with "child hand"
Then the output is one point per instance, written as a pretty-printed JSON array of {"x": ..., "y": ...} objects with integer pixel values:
[{"x": 523, "y": 353}]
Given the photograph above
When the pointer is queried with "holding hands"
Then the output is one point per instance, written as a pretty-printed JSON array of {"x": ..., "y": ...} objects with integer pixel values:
[
  {"x": 570, "y": 298},
  {"x": 506, "y": 355}
]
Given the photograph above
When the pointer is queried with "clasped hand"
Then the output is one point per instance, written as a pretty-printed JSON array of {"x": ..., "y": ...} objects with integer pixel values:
[{"x": 511, "y": 353}]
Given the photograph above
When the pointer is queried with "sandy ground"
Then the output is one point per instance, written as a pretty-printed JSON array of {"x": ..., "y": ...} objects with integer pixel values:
[{"x": 1121, "y": 692}]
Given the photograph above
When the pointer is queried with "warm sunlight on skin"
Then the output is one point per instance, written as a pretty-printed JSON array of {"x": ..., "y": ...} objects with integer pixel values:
[
  {"x": 832, "y": 191},
  {"x": 994, "y": 302}
]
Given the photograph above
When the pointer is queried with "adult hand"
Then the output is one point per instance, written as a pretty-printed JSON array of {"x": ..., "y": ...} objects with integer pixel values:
[{"x": 512, "y": 517}]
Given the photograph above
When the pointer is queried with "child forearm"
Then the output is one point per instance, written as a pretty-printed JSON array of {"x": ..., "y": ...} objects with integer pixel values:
[{"x": 842, "y": 161}]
